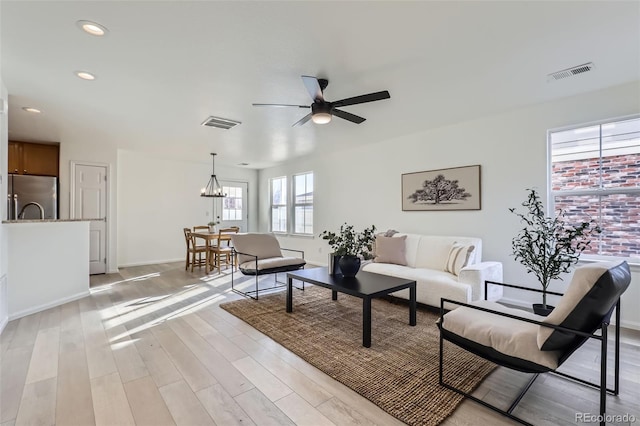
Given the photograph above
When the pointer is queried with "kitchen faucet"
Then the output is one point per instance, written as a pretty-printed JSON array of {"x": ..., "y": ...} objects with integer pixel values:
[{"x": 21, "y": 215}]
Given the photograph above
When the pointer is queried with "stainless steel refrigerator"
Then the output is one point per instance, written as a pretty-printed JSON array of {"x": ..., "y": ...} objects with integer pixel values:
[{"x": 32, "y": 197}]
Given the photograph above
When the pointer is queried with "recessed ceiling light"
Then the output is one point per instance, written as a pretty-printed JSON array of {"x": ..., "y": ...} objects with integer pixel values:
[
  {"x": 85, "y": 75},
  {"x": 31, "y": 109},
  {"x": 92, "y": 28}
]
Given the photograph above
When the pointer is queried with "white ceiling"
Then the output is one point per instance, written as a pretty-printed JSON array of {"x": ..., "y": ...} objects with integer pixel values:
[{"x": 166, "y": 66}]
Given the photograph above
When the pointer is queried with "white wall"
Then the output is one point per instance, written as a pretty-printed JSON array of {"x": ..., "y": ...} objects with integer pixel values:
[
  {"x": 4, "y": 307},
  {"x": 158, "y": 197},
  {"x": 362, "y": 186}
]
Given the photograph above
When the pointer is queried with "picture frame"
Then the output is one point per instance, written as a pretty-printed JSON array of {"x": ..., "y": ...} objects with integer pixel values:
[{"x": 456, "y": 188}]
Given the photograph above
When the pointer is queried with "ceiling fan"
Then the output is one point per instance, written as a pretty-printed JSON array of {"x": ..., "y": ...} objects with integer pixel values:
[{"x": 322, "y": 110}]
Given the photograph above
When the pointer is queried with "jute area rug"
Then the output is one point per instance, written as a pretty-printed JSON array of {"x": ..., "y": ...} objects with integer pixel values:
[{"x": 399, "y": 373}]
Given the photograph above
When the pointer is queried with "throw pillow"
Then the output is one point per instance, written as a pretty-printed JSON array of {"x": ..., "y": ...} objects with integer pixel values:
[
  {"x": 459, "y": 257},
  {"x": 391, "y": 250}
]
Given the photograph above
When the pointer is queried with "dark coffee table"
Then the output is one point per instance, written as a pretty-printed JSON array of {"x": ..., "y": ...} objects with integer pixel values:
[{"x": 365, "y": 285}]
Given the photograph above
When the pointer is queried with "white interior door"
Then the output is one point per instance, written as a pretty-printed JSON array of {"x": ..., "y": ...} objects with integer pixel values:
[
  {"x": 90, "y": 202},
  {"x": 233, "y": 209}
]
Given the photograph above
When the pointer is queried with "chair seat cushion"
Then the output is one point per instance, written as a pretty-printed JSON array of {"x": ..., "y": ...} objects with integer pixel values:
[
  {"x": 274, "y": 264},
  {"x": 496, "y": 335}
]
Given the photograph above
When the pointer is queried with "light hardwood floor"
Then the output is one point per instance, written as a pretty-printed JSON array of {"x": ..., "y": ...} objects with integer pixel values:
[{"x": 151, "y": 346}]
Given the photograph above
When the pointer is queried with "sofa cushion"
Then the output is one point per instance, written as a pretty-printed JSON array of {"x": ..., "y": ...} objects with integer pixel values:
[
  {"x": 262, "y": 245},
  {"x": 391, "y": 250},
  {"x": 508, "y": 336},
  {"x": 459, "y": 257},
  {"x": 593, "y": 291},
  {"x": 433, "y": 250}
]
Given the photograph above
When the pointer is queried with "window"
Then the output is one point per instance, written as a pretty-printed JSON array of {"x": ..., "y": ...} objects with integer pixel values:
[
  {"x": 232, "y": 203},
  {"x": 303, "y": 203},
  {"x": 595, "y": 173},
  {"x": 279, "y": 204}
]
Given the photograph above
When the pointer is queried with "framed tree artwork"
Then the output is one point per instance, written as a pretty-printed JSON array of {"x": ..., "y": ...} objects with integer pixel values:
[{"x": 456, "y": 188}]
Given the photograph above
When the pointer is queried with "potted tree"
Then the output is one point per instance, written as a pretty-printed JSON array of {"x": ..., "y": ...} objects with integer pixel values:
[
  {"x": 351, "y": 246},
  {"x": 548, "y": 246}
]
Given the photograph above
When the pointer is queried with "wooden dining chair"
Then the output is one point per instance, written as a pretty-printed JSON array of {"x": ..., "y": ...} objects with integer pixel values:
[
  {"x": 222, "y": 251},
  {"x": 200, "y": 228},
  {"x": 194, "y": 251}
]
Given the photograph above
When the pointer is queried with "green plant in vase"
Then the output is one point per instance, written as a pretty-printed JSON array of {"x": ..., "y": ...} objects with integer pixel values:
[
  {"x": 548, "y": 246},
  {"x": 351, "y": 246}
]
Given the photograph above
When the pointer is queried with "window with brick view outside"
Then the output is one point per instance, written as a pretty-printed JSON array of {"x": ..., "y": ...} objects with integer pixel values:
[{"x": 595, "y": 173}]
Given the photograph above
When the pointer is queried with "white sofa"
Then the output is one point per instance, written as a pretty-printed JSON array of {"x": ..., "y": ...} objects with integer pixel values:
[{"x": 426, "y": 259}]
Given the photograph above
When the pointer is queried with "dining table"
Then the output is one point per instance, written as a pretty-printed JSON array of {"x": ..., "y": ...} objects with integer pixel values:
[{"x": 210, "y": 238}]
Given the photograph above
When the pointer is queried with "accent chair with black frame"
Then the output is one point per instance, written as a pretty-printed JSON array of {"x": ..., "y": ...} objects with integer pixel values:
[
  {"x": 529, "y": 343},
  {"x": 261, "y": 254}
]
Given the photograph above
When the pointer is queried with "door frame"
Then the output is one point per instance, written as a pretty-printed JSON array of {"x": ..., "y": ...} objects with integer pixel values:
[
  {"x": 72, "y": 198},
  {"x": 246, "y": 183}
]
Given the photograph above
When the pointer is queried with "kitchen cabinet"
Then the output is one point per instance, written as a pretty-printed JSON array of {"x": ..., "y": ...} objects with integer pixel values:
[{"x": 33, "y": 158}]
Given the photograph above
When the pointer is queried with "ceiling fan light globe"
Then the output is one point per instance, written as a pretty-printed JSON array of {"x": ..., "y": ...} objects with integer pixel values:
[{"x": 321, "y": 118}]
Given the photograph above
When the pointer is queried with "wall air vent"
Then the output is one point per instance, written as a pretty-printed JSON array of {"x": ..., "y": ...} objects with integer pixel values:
[
  {"x": 570, "y": 72},
  {"x": 219, "y": 122}
]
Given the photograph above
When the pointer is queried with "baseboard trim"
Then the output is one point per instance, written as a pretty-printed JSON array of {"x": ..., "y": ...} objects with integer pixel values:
[
  {"x": 151, "y": 262},
  {"x": 49, "y": 305},
  {"x": 634, "y": 325}
]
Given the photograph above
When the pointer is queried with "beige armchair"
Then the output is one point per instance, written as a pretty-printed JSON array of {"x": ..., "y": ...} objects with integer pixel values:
[{"x": 261, "y": 254}]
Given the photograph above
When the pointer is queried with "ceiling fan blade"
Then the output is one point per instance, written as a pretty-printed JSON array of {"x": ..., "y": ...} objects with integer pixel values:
[
  {"x": 281, "y": 105},
  {"x": 313, "y": 87},
  {"x": 377, "y": 96},
  {"x": 348, "y": 116},
  {"x": 302, "y": 120}
]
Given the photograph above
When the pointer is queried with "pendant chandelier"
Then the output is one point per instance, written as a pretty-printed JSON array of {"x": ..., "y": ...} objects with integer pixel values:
[{"x": 213, "y": 188}]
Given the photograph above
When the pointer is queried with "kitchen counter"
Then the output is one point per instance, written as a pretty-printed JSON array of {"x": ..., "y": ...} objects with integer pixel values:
[
  {"x": 47, "y": 264},
  {"x": 49, "y": 220}
]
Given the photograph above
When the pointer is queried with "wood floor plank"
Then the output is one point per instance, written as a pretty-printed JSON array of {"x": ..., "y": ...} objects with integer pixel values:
[
  {"x": 342, "y": 414},
  {"x": 147, "y": 405},
  {"x": 222, "y": 370},
  {"x": 221, "y": 343},
  {"x": 301, "y": 412},
  {"x": 44, "y": 358},
  {"x": 74, "y": 402},
  {"x": 70, "y": 316},
  {"x": 14, "y": 365},
  {"x": 156, "y": 359},
  {"x": 269, "y": 385},
  {"x": 99, "y": 356},
  {"x": 71, "y": 339},
  {"x": 110, "y": 404},
  {"x": 26, "y": 331},
  {"x": 184, "y": 406},
  {"x": 261, "y": 410},
  {"x": 221, "y": 406},
  {"x": 311, "y": 391},
  {"x": 38, "y": 404},
  {"x": 130, "y": 364},
  {"x": 194, "y": 373},
  {"x": 50, "y": 318},
  {"x": 7, "y": 335}
]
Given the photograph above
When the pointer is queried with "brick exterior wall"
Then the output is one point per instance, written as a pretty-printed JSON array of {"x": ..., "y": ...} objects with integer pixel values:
[{"x": 618, "y": 215}]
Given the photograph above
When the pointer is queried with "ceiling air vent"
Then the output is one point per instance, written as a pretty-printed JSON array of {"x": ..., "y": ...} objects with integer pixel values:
[
  {"x": 219, "y": 122},
  {"x": 570, "y": 72}
]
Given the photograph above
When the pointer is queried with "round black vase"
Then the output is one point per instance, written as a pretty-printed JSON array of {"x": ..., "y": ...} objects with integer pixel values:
[
  {"x": 349, "y": 265},
  {"x": 539, "y": 309}
]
